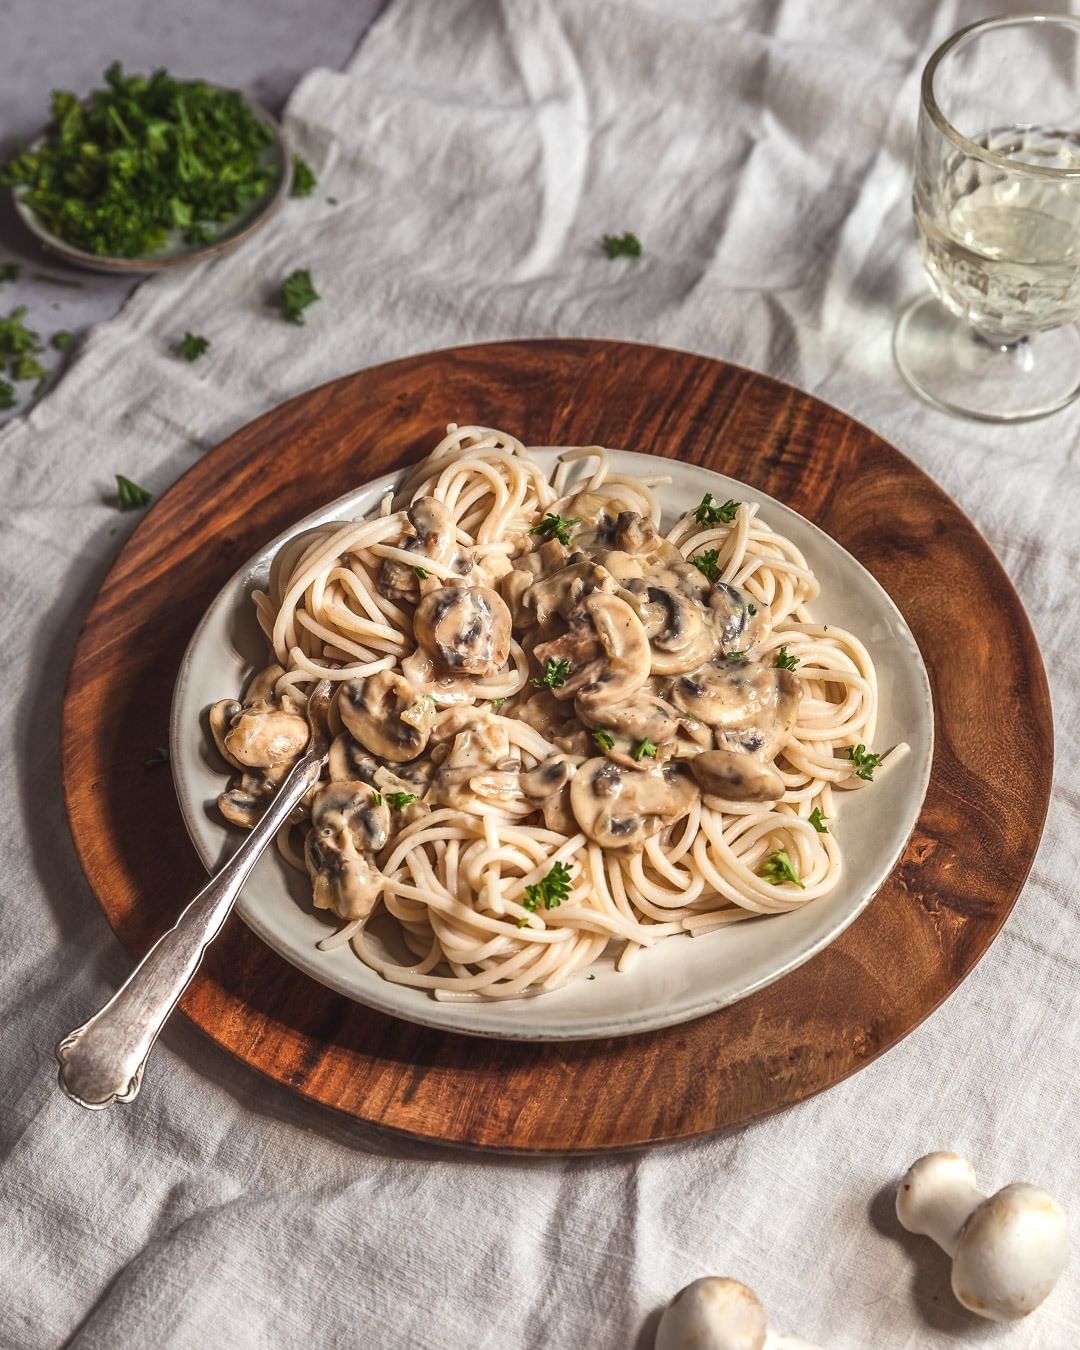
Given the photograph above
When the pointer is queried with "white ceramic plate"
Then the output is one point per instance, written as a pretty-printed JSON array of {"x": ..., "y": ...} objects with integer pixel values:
[{"x": 680, "y": 979}]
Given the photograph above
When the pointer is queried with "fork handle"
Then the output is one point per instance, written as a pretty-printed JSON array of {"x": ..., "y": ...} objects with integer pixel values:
[{"x": 102, "y": 1061}]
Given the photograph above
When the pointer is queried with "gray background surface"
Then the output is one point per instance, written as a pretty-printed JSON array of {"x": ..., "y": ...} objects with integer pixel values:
[{"x": 262, "y": 48}]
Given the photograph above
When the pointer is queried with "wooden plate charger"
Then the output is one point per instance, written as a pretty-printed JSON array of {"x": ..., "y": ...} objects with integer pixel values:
[{"x": 933, "y": 919}]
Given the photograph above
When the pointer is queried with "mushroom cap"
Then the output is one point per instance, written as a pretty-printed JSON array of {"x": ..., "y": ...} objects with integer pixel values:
[
  {"x": 1012, "y": 1250},
  {"x": 736, "y": 777},
  {"x": 465, "y": 629},
  {"x": 383, "y": 713},
  {"x": 619, "y": 806},
  {"x": 713, "y": 1314}
]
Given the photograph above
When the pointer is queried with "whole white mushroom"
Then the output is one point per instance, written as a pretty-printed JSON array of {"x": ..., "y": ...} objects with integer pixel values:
[
  {"x": 1008, "y": 1249},
  {"x": 719, "y": 1314}
]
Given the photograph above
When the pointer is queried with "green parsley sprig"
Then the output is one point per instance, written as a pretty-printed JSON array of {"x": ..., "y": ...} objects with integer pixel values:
[
  {"x": 8, "y": 397},
  {"x": 865, "y": 763},
  {"x": 708, "y": 513},
  {"x": 555, "y": 674},
  {"x": 644, "y": 749},
  {"x": 304, "y": 181},
  {"x": 603, "y": 739},
  {"x": 61, "y": 340},
  {"x": 130, "y": 496},
  {"x": 192, "y": 346},
  {"x": 297, "y": 292},
  {"x": 818, "y": 821},
  {"x": 556, "y": 527},
  {"x": 785, "y": 660},
  {"x": 706, "y": 563},
  {"x": 778, "y": 867},
  {"x": 400, "y": 800},
  {"x": 625, "y": 245},
  {"x": 549, "y": 891}
]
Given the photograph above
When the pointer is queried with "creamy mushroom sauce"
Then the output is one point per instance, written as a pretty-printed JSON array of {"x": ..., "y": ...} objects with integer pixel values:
[{"x": 656, "y": 700}]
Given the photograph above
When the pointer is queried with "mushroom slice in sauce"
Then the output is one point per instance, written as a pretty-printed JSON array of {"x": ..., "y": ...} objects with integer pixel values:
[
  {"x": 736, "y": 777},
  {"x": 561, "y": 593},
  {"x": 347, "y": 826},
  {"x": 732, "y": 695},
  {"x": 434, "y": 538},
  {"x": 264, "y": 730},
  {"x": 637, "y": 534},
  {"x": 675, "y": 625},
  {"x": 350, "y": 762},
  {"x": 476, "y": 752},
  {"x": 548, "y": 786},
  {"x": 247, "y": 797},
  {"x": 386, "y": 715},
  {"x": 619, "y": 807},
  {"x": 607, "y": 649},
  {"x": 642, "y": 718},
  {"x": 736, "y": 627},
  {"x": 466, "y": 629}
]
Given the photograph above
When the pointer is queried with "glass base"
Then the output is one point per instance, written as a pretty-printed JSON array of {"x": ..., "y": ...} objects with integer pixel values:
[{"x": 950, "y": 366}]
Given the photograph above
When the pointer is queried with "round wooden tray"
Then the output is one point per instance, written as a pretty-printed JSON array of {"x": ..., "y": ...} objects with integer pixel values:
[{"x": 933, "y": 919}]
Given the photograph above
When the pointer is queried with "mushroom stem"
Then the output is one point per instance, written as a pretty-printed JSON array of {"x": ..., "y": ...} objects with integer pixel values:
[
  {"x": 940, "y": 1211},
  {"x": 1008, "y": 1249}
]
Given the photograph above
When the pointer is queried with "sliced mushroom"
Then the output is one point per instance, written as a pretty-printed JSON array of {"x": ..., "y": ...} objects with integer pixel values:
[
  {"x": 475, "y": 754},
  {"x": 350, "y": 762},
  {"x": 560, "y": 593},
  {"x": 247, "y": 797},
  {"x": 737, "y": 628},
  {"x": 466, "y": 629},
  {"x": 675, "y": 626},
  {"x": 732, "y": 695},
  {"x": 386, "y": 715},
  {"x": 642, "y": 718},
  {"x": 636, "y": 534},
  {"x": 607, "y": 649},
  {"x": 736, "y": 777},
  {"x": 434, "y": 538},
  {"x": 548, "y": 786},
  {"x": 620, "y": 807},
  {"x": 419, "y": 669},
  {"x": 264, "y": 730},
  {"x": 347, "y": 827}
]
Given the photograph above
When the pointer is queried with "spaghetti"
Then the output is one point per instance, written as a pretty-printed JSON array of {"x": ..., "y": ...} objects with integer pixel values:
[{"x": 555, "y": 727}]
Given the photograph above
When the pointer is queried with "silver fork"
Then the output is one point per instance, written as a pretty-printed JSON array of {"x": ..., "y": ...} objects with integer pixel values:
[{"x": 102, "y": 1061}]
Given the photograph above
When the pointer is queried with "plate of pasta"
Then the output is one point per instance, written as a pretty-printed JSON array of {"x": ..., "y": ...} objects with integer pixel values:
[{"x": 617, "y": 740}]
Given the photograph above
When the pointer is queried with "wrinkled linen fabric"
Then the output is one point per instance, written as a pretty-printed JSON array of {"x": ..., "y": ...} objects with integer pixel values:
[{"x": 762, "y": 153}]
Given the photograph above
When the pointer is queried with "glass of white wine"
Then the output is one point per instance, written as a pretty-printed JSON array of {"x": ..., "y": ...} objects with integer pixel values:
[{"x": 997, "y": 214}]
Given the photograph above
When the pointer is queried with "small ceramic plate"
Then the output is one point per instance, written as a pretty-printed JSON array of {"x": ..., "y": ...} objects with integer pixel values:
[
  {"x": 176, "y": 252},
  {"x": 681, "y": 978}
]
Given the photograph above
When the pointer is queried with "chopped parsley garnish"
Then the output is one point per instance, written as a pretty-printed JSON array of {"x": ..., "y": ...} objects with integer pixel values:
[
  {"x": 603, "y": 739},
  {"x": 706, "y": 513},
  {"x": 192, "y": 346},
  {"x": 400, "y": 800},
  {"x": 556, "y": 527},
  {"x": 777, "y": 867},
  {"x": 8, "y": 398},
  {"x": 200, "y": 234},
  {"x": 130, "y": 496},
  {"x": 549, "y": 891},
  {"x": 818, "y": 821},
  {"x": 331, "y": 201},
  {"x": 15, "y": 338},
  {"x": 421, "y": 575},
  {"x": 625, "y": 245},
  {"x": 555, "y": 675},
  {"x": 707, "y": 565},
  {"x": 9, "y": 272},
  {"x": 643, "y": 750},
  {"x": 62, "y": 340},
  {"x": 304, "y": 181},
  {"x": 785, "y": 660},
  {"x": 736, "y": 656},
  {"x": 376, "y": 798},
  {"x": 27, "y": 367},
  {"x": 751, "y": 609},
  {"x": 297, "y": 293},
  {"x": 159, "y": 757},
  {"x": 496, "y": 704},
  {"x": 147, "y": 154},
  {"x": 865, "y": 763}
]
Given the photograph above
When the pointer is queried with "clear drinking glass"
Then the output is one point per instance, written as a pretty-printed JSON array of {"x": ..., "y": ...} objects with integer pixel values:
[{"x": 997, "y": 213}]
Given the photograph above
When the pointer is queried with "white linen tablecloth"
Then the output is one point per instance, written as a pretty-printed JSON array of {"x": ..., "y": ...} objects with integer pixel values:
[{"x": 478, "y": 151}]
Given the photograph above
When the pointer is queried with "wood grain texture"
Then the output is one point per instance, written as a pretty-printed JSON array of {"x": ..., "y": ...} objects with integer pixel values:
[{"x": 932, "y": 921}]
